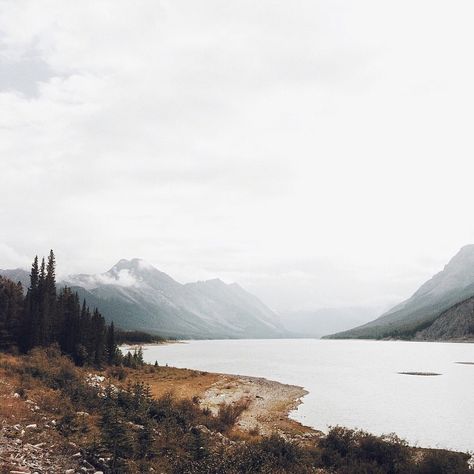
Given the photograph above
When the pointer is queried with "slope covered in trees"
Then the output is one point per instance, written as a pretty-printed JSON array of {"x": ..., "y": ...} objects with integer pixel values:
[{"x": 43, "y": 316}]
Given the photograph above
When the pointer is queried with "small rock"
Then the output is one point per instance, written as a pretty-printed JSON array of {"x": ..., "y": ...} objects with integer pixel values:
[
  {"x": 77, "y": 455},
  {"x": 87, "y": 465},
  {"x": 32, "y": 426}
]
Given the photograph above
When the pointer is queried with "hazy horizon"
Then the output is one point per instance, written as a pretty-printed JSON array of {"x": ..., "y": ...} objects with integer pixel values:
[{"x": 317, "y": 153}]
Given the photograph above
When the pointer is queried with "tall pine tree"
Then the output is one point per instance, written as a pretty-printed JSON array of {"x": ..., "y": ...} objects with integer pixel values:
[
  {"x": 45, "y": 317},
  {"x": 111, "y": 346},
  {"x": 11, "y": 309},
  {"x": 50, "y": 299},
  {"x": 31, "y": 319}
]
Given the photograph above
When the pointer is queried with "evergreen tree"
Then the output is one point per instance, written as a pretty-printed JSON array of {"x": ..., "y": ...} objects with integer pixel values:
[
  {"x": 31, "y": 317},
  {"x": 71, "y": 330},
  {"x": 114, "y": 432},
  {"x": 45, "y": 317},
  {"x": 43, "y": 329},
  {"x": 50, "y": 299},
  {"x": 11, "y": 309},
  {"x": 98, "y": 331},
  {"x": 86, "y": 332},
  {"x": 111, "y": 346}
]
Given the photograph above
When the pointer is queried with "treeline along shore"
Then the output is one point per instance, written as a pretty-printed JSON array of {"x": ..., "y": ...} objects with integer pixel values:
[{"x": 71, "y": 402}]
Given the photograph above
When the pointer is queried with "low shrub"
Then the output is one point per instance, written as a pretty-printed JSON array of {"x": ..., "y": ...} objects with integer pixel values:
[
  {"x": 444, "y": 462},
  {"x": 227, "y": 415},
  {"x": 343, "y": 447}
]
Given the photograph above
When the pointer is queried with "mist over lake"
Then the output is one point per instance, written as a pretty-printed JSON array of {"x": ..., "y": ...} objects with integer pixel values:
[{"x": 356, "y": 384}]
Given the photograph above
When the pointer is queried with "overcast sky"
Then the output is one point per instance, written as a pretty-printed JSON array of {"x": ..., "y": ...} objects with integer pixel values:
[{"x": 320, "y": 153}]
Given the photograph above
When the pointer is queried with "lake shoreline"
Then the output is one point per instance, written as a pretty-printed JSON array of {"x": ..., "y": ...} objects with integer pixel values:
[
  {"x": 268, "y": 408},
  {"x": 268, "y": 403},
  {"x": 338, "y": 375}
]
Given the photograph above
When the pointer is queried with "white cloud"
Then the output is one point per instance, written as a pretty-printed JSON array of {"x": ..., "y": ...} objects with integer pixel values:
[
  {"x": 237, "y": 139},
  {"x": 123, "y": 277}
]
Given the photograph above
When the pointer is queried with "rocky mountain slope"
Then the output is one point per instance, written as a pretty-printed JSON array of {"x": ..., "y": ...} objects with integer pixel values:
[
  {"x": 456, "y": 323},
  {"x": 416, "y": 315},
  {"x": 138, "y": 296}
]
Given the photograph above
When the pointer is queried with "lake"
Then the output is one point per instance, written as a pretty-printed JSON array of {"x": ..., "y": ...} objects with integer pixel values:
[{"x": 354, "y": 383}]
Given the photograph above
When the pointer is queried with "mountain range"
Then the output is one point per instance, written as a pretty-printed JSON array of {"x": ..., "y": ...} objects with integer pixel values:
[
  {"x": 136, "y": 295},
  {"x": 441, "y": 309}
]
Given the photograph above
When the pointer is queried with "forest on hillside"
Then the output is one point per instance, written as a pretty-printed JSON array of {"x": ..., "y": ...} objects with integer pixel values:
[{"x": 41, "y": 316}]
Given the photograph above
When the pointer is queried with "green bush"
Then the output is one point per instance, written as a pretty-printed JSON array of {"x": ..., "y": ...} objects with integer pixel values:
[
  {"x": 364, "y": 452},
  {"x": 444, "y": 462},
  {"x": 228, "y": 415}
]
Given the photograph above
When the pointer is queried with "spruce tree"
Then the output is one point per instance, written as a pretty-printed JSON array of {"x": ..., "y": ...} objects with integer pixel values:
[
  {"x": 45, "y": 317},
  {"x": 31, "y": 316},
  {"x": 115, "y": 435},
  {"x": 43, "y": 333},
  {"x": 111, "y": 346},
  {"x": 70, "y": 334},
  {"x": 98, "y": 328},
  {"x": 11, "y": 308},
  {"x": 50, "y": 299}
]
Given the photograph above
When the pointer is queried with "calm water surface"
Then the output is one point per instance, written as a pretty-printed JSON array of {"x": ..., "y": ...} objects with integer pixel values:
[{"x": 354, "y": 383}]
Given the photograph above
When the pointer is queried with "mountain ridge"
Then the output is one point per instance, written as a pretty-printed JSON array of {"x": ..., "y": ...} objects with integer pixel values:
[
  {"x": 447, "y": 288},
  {"x": 138, "y": 296}
]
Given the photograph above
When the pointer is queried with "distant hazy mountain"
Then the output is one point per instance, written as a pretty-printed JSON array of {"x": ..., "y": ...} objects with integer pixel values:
[
  {"x": 17, "y": 275},
  {"x": 319, "y": 322},
  {"x": 138, "y": 296},
  {"x": 454, "y": 284}
]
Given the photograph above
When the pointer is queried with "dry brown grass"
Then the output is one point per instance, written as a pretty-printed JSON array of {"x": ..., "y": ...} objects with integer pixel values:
[
  {"x": 15, "y": 410},
  {"x": 182, "y": 383}
]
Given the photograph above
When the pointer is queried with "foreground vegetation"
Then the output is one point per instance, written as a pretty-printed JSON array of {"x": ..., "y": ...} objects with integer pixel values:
[{"x": 121, "y": 428}]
